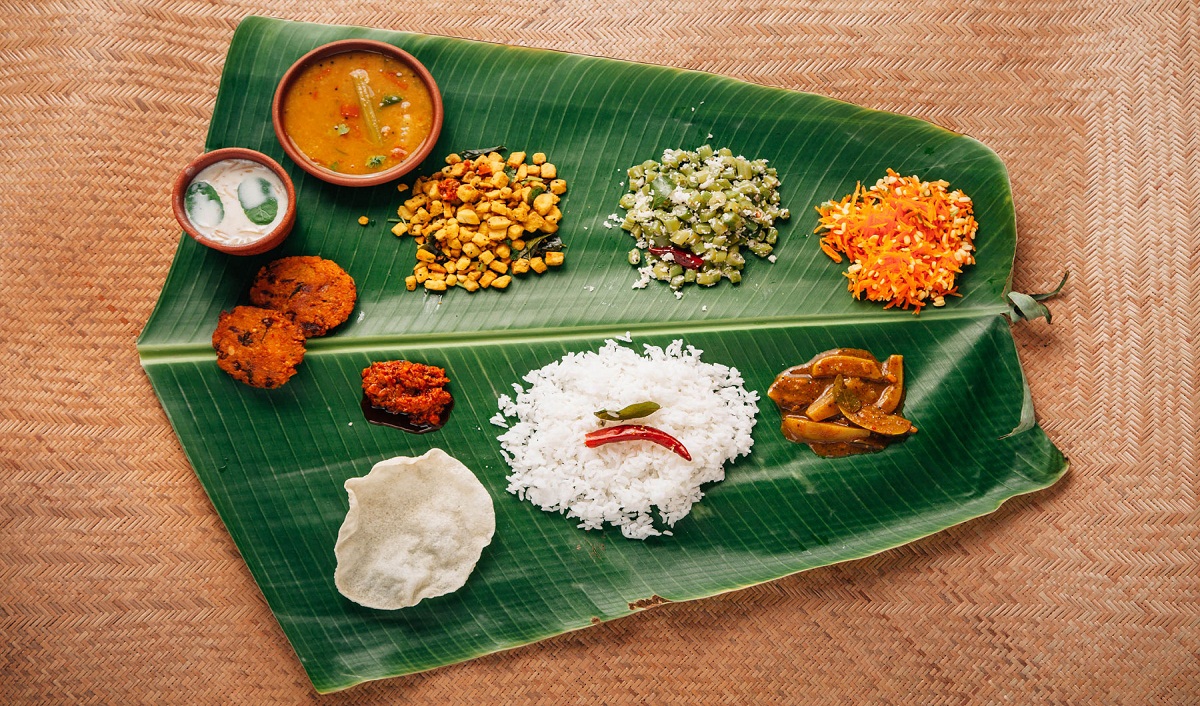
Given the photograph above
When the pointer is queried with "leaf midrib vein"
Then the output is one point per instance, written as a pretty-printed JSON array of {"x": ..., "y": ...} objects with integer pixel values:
[{"x": 163, "y": 354}]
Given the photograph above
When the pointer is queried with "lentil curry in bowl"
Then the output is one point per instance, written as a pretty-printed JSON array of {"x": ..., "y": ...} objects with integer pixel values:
[{"x": 357, "y": 113}]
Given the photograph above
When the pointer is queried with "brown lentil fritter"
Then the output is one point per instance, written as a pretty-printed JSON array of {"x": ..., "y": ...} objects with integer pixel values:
[
  {"x": 260, "y": 347},
  {"x": 315, "y": 292}
]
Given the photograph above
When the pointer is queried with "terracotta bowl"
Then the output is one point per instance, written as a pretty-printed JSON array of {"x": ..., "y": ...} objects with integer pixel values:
[
  {"x": 263, "y": 244},
  {"x": 341, "y": 47}
]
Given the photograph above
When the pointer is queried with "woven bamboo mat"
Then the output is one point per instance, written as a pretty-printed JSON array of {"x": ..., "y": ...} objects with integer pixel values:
[{"x": 118, "y": 583}]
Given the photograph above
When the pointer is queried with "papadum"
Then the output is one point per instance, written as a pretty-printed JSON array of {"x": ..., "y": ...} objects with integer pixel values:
[{"x": 415, "y": 529}]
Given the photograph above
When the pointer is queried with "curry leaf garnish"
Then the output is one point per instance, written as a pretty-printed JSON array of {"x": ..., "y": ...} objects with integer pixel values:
[
  {"x": 203, "y": 205},
  {"x": 390, "y": 99},
  {"x": 636, "y": 410},
  {"x": 1029, "y": 306},
  {"x": 845, "y": 399},
  {"x": 547, "y": 242},
  {"x": 258, "y": 200},
  {"x": 476, "y": 154}
]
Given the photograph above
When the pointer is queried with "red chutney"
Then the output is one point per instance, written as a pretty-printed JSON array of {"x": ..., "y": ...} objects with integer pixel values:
[{"x": 412, "y": 389}]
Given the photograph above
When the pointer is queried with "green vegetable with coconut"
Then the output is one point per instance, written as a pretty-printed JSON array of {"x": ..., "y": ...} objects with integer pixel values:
[{"x": 695, "y": 216}]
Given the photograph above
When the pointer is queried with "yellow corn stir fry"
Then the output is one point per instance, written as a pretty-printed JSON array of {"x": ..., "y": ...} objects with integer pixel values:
[{"x": 472, "y": 221}]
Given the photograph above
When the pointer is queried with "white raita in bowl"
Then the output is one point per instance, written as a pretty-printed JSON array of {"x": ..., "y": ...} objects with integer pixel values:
[{"x": 703, "y": 405}]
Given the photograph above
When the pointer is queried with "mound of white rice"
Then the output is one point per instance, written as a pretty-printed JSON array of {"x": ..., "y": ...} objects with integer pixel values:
[{"x": 704, "y": 405}]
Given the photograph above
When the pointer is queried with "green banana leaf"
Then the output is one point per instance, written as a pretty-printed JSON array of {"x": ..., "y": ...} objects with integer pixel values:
[{"x": 273, "y": 462}]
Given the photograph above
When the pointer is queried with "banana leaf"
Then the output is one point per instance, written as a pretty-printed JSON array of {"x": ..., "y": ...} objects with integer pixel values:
[{"x": 273, "y": 462}]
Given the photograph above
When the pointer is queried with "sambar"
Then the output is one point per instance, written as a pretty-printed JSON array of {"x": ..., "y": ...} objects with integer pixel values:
[{"x": 358, "y": 112}]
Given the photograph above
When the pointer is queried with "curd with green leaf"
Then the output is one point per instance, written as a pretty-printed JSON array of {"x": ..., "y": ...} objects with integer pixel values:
[{"x": 235, "y": 201}]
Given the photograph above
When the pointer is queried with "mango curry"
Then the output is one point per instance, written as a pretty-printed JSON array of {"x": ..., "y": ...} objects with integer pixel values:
[{"x": 843, "y": 402}]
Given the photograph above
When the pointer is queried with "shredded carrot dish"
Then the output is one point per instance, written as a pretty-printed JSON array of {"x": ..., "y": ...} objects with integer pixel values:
[{"x": 906, "y": 240}]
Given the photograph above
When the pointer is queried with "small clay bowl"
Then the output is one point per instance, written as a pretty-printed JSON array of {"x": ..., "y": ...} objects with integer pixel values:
[
  {"x": 374, "y": 178},
  {"x": 263, "y": 244}
]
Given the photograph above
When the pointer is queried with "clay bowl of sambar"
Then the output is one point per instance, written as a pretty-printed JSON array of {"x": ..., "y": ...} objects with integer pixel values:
[{"x": 357, "y": 112}]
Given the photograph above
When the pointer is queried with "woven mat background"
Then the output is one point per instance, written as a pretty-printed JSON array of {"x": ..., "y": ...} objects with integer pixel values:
[{"x": 118, "y": 583}]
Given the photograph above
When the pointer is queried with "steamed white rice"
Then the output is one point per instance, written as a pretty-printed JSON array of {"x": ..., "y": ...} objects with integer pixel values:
[{"x": 704, "y": 405}]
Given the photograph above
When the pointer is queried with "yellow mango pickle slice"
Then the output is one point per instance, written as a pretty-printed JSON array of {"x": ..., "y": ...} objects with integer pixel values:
[
  {"x": 809, "y": 432},
  {"x": 849, "y": 366},
  {"x": 893, "y": 370}
]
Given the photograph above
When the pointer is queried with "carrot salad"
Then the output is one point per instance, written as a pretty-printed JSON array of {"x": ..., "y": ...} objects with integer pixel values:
[{"x": 906, "y": 240}]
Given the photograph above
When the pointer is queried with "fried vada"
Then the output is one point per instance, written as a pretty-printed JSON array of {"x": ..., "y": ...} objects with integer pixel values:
[
  {"x": 260, "y": 347},
  {"x": 316, "y": 293}
]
